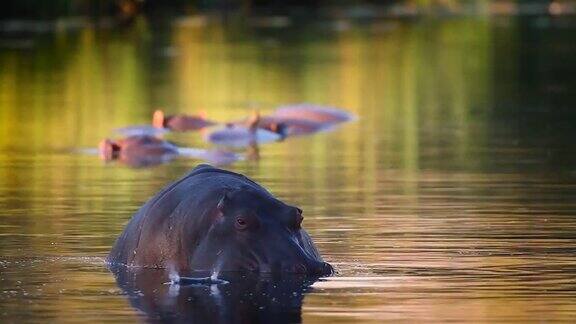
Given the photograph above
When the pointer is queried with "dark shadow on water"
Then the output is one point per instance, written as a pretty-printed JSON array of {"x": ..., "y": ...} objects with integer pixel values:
[{"x": 246, "y": 298}]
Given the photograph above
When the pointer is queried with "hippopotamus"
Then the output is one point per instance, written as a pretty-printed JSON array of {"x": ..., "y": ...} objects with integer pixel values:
[
  {"x": 242, "y": 134},
  {"x": 213, "y": 220},
  {"x": 264, "y": 129},
  {"x": 138, "y": 150},
  {"x": 180, "y": 123},
  {"x": 147, "y": 150},
  {"x": 298, "y": 120},
  {"x": 287, "y": 127},
  {"x": 314, "y": 113}
]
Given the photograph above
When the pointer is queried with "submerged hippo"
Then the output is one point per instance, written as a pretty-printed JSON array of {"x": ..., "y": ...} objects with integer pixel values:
[
  {"x": 287, "y": 127},
  {"x": 298, "y": 120},
  {"x": 180, "y": 123},
  {"x": 242, "y": 133},
  {"x": 217, "y": 220},
  {"x": 247, "y": 298},
  {"x": 313, "y": 113},
  {"x": 138, "y": 150}
]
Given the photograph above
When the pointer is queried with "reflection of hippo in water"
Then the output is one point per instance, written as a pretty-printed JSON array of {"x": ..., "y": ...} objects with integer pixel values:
[
  {"x": 180, "y": 123},
  {"x": 140, "y": 150},
  {"x": 247, "y": 298},
  {"x": 216, "y": 220}
]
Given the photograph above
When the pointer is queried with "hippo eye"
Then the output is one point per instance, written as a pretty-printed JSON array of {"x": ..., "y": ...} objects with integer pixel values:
[{"x": 241, "y": 223}]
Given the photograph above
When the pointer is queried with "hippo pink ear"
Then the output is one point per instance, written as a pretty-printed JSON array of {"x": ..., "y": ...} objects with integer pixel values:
[
  {"x": 106, "y": 149},
  {"x": 158, "y": 119}
]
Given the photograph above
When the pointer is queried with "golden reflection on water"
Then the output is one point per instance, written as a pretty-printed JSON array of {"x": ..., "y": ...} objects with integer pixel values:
[{"x": 428, "y": 207}]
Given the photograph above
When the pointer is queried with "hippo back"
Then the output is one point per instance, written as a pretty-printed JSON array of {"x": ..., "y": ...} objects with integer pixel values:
[{"x": 319, "y": 114}]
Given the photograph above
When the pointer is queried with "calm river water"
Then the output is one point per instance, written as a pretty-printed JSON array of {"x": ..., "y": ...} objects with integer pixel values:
[{"x": 451, "y": 198}]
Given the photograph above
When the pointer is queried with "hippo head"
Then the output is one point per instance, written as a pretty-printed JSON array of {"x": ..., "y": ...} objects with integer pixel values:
[
  {"x": 279, "y": 128},
  {"x": 252, "y": 231},
  {"x": 108, "y": 149}
]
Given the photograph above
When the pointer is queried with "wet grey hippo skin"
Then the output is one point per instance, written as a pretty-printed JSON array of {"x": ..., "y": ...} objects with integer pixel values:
[{"x": 217, "y": 220}]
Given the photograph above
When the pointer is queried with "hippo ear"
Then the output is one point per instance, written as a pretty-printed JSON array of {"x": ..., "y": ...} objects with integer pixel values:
[{"x": 224, "y": 202}]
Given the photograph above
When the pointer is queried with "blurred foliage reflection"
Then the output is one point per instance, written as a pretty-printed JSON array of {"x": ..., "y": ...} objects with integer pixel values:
[{"x": 463, "y": 143}]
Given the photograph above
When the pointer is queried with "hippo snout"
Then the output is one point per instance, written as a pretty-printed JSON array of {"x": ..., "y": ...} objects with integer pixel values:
[{"x": 323, "y": 269}]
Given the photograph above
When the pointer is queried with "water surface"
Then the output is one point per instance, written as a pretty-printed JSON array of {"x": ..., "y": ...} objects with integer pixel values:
[{"x": 451, "y": 198}]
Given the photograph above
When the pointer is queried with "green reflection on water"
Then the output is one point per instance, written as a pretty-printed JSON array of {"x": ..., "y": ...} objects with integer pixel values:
[
  {"x": 413, "y": 86},
  {"x": 428, "y": 143}
]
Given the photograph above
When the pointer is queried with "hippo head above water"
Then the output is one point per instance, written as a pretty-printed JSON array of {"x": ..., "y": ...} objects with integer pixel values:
[
  {"x": 217, "y": 220},
  {"x": 137, "y": 150}
]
